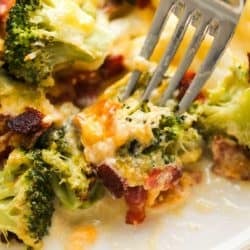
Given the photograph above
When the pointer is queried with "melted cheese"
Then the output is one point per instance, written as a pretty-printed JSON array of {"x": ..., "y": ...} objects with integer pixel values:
[
  {"x": 108, "y": 125},
  {"x": 71, "y": 15},
  {"x": 240, "y": 43},
  {"x": 104, "y": 127},
  {"x": 16, "y": 97}
]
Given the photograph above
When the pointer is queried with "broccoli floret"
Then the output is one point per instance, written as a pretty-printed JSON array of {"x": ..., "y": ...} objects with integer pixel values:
[
  {"x": 62, "y": 152},
  {"x": 226, "y": 110},
  {"x": 30, "y": 180},
  {"x": 43, "y": 34},
  {"x": 70, "y": 177},
  {"x": 173, "y": 138},
  {"x": 26, "y": 198},
  {"x": 54, "y": 138}
]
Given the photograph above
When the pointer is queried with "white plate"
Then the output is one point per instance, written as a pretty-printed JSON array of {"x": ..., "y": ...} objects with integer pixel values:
[{"x": 215, "y": 217}]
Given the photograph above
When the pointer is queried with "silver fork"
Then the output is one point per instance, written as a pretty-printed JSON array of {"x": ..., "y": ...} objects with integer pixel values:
[{"x": 217, "y": 17}]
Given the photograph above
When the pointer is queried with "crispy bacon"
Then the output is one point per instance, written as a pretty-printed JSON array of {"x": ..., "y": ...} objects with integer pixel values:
[
  {"x": 22, "y": 130},
  {"x": 112, "y": 66},
  {"x": 120, "y": 8},
  {"x": 143, "y": 3},
  {"x": 83, "y": 87},
  {"x": 164, "y": 179},
  {"x": 184, "y": 85},
  {"x": 5, "y": 6},
  {"x": 111, "y": 180},
  {"x": 91, "y": 84},
  {"x": 135, "y": 198},
  {"x": 27, "y": 123},
  {"x": 230, "y": 160}
]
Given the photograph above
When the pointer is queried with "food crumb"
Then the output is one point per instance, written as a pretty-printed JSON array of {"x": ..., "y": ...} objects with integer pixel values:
[{"x": 81, "y": 237}]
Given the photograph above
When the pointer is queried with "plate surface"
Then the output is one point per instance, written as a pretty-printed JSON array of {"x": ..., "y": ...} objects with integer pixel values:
[{"x": 217, "y": 211}]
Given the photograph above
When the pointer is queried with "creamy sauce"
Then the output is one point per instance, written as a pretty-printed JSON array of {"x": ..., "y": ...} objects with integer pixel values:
[{"x": 220, "y": 205}]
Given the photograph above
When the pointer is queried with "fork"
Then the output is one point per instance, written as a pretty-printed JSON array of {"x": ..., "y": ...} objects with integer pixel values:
[{"x": 218, "y": 18}]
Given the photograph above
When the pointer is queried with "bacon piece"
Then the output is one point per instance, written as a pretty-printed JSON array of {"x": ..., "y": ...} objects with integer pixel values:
[
  {"x": 91, "y": 84},
  {"x": 230, "y": 160},
  {"x": 116, "y": 8},
  {"x": 120, "y": 8},
  {"x": 143, "y": 3},
  {"x": 5, "y": 6},
  {"x": 184, "y": 85},
  {"x": 135, "y": 198},
  {"x": 22, "y": 130},
  {"x": 83, "y": 87},
  {"x": 111, "y": 180},
  {"x": 27, "y": 123},
  {"x": 112, "y": 66},
  {"x": 163, "y": 179}
]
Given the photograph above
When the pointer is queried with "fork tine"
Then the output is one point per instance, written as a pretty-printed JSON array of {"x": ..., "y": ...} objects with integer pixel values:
[
  {"x": 221, "y": 39},
  {"x": 199, "y": 36},
  {"x": 151, "y": 40},
  {"x": 170, "y": 52}
]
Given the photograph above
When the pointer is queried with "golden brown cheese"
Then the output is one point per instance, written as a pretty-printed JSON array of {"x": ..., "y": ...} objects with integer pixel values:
[
  {"x": 98, "y": 130},
  {"x": 104, "y": 127}
]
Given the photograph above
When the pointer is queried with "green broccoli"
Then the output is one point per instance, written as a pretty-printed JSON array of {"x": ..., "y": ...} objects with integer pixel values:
[
  {"x": 175, "y": 137},
  {"x": 173, "y": 140},
  {"x": 62, "y": 152},
  {"x": 226, "y": 110},
  {"x": 54, "y": 167},
  {"x": 26, "y": 198},
  {"x": 44, "y": 34}
]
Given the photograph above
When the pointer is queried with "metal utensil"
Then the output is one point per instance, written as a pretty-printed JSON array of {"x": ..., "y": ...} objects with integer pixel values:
[{"x": 217, "y": 17}]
